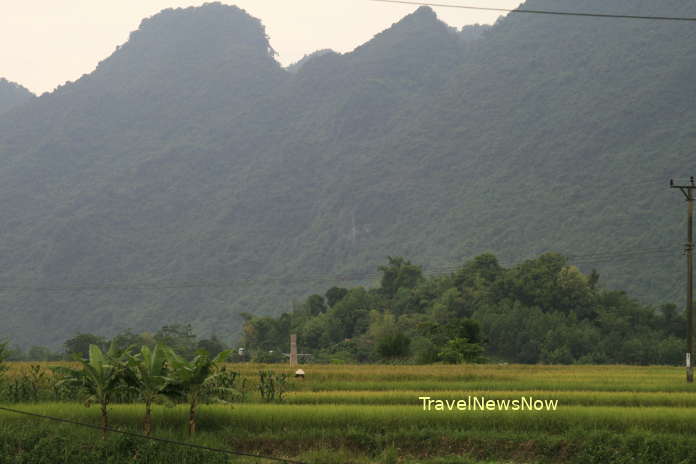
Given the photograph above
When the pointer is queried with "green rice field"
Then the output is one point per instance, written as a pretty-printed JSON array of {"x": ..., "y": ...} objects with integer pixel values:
[{"x": 373, "y": 414}]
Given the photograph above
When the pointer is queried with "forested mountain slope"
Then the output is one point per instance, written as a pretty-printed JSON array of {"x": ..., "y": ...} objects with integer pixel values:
[
  {"x": 12, "y": 94},
  {"x": 191, "y": 157}
]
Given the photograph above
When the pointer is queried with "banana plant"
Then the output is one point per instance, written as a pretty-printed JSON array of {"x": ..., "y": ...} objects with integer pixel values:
[
  {"x": 195, "y": 380},
  {"x": 147, "y": 374},
  {"x": 100, "y": 377}
]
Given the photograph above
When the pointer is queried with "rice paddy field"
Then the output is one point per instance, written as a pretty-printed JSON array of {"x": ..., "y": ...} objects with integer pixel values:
[{"x": 376, "y": 414}]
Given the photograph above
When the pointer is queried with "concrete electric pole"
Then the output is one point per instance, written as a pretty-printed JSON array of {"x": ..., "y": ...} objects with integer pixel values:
[{"x": 688, "y": 191}]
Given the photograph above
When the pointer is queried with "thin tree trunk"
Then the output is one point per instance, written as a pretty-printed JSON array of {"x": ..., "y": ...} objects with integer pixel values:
[
  {"x": 192, "y": 418},
  {"x": 147, "y": 421},
  {"x": 104, "y": 420}
]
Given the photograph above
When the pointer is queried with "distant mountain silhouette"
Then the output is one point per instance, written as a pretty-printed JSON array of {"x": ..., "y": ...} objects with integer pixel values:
[{"x": 12, "y": 95}]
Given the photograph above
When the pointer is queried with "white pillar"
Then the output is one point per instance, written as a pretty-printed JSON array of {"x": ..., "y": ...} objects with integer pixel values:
[{"x": 293, "y": 350}]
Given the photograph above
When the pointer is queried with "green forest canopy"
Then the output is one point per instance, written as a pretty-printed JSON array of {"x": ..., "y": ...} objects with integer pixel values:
[{"x": 540, "y": 311}]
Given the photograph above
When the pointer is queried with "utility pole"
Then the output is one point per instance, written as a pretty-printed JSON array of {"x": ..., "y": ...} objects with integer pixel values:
[{"x": 688, "y": 191}]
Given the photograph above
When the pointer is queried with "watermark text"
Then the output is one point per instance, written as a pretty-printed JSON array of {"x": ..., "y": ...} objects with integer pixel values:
[{"x": 480, "y": 403}]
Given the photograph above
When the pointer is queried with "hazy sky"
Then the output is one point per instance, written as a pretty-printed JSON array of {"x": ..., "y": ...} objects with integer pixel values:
[{"x": 44, "y": 43}]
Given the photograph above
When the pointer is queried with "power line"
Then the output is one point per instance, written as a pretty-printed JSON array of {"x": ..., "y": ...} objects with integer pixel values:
[
  {"x": 187, "y": 285},
  {"x": 616, "y": 254},
  {"x": 588, "y": 258},
  {"x": 620, "y": 259},
  {"x": 544, "y": 12},
  {"x": 163, "y": 440}
]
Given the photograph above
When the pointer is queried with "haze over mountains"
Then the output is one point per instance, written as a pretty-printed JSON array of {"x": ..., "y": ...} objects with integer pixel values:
[
  {"x": 191, "y": 156},
  {"x": 12, "y": 95}
]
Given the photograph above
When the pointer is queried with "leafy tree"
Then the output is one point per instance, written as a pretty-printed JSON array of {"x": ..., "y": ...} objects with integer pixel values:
[
  {"x": 351, "y": 313},
  {"x": 343, "y": 352},
  {"x": 16, "y": 354},
  {"x": 128, "y": 338},
  {"x": 399, "y": 273},
  {"x": 560, "y": 355},
  {"x": 284, "y": 327},
  {"x": 147, "y": 374},
  {"x": 179, "y": 337},
  {"x": 100, "y": 377},
  {"x": 593, "y": 279},
  {"x": 513, "y": 330},
  {"x": 669, "y": 351},
  {"x": 467, "y": 328},
  {"x": 334, "y": 295},
  {"x": 194, "y": 380},
  {"x": 453, "y": 302},
  {"x": 481, "y": 271},
  {"x": 262, "y": 333},
  {"x": 315, "y": 305},
  {"x": 213, "y": 345},
  {"x": 41, "y": 353},
  {"x": 322, "y": 331},
  {"x": 460, "y": 350},
  {"x": 393, "y": 345},
  {"x": 80, "y": 344},
  {"x": 424, "y": 351},
  {"x": 672, "y": 321},
  {"x": 574, "y": 293}
]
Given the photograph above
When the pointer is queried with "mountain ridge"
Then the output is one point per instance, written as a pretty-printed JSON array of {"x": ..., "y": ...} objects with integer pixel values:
[
  {"x": 13, "y": 95},
  {"x": 418, "y": 143}
]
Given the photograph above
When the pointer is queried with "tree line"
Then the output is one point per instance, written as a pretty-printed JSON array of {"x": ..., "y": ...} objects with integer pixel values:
[
  {"x": 542, "y": 310},
  {"x": 180, "y": 337}
]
